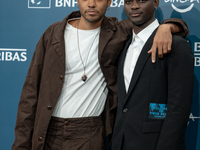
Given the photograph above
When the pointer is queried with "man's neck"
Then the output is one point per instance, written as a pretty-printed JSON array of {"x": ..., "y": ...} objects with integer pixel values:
[{"x": 139, "y": 28}]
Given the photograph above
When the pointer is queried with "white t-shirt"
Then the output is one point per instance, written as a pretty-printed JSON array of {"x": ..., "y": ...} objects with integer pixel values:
[{"x": 79, "y": 98}]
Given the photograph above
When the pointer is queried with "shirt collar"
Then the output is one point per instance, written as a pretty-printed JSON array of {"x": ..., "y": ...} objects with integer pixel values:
[{"x": 146, "y": 32}]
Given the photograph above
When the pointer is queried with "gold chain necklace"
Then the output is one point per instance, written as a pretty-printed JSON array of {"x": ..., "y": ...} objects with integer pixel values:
[{"x": 84, "y": 77}]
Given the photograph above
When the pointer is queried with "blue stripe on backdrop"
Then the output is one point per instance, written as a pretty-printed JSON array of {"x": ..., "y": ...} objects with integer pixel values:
[{"x": 22, "y": 24}]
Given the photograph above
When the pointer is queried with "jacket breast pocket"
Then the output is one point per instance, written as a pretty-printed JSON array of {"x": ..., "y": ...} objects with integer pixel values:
[{"x": 149, "y": 127}]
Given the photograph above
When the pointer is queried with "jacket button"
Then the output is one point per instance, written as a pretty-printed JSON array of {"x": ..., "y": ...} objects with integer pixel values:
[
  {"x": 61, "y": 77},
  {"x": 49, "y": 107},
  {"x": 125, "y": 110},
  {"x": 40, "y": 139},
  {"x": 66, "y": 123}
]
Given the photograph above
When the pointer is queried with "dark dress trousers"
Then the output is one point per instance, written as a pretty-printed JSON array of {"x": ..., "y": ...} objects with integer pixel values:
[{"x": 169, "y": 82}]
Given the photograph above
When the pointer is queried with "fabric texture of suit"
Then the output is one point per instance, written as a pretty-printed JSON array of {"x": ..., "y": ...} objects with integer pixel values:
[{"x": 168, "y": 81}]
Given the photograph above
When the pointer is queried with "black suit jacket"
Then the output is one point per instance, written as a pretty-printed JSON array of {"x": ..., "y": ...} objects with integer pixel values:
[{"x": 169, "y": 82}]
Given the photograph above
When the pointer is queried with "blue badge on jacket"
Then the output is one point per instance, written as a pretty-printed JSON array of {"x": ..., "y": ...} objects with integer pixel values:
[{"x": 157, "y": 111}]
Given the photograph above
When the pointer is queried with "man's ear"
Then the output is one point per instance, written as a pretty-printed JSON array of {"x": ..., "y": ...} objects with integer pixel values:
[
  {"x": 156, "y": 3},
  {"x": 109, "y": 3}
]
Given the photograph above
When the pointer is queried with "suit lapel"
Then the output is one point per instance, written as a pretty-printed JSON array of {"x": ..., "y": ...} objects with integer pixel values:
[
  {"x": 58, "y": 39},
  {"x": 107, "y": 31},
  {"x": 140, "y": 64},
  {"x": 60, "y": 49},
  {"x": 120, "y": 82}
]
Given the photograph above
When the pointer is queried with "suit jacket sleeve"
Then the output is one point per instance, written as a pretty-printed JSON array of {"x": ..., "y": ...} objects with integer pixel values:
[
  {"x": 180, "y": 68},
  {"x": 127, "y": 26},
  {"x": 28, "y": 100},
  {"x": 181, "y": 24}
]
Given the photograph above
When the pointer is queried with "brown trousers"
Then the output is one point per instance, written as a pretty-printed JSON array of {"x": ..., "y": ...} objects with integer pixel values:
[{"x": 85, "y": 133}]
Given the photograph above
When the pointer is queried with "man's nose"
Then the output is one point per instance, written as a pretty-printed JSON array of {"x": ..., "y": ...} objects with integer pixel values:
[
  {"x": 135, "y": 5},
  {"x": 91, "y": 3}
]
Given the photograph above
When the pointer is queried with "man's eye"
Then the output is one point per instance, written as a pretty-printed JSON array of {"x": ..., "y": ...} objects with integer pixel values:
[
  {"x": 128, "y": 2},
  {"x": 142, "y": 1}
]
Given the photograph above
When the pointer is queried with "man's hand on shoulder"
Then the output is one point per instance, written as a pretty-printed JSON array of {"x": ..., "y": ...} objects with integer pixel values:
[
  {"x": 163, "y": 38},
  {"x": 162, "y": 41}
]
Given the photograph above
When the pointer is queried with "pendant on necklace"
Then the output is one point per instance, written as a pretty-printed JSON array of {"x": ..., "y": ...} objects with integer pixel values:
[{"x": 84, "y": 77}]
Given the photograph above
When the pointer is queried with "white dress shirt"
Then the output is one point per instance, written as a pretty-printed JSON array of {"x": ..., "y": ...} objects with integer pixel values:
[{"x": 134, "y": 50}]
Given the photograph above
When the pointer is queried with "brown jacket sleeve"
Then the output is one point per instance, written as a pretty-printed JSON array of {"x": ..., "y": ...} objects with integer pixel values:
[
  {"x": 28, "y": 100},
  {"x": 181, "y": 24},
  {"x": 126, "y": 26}
]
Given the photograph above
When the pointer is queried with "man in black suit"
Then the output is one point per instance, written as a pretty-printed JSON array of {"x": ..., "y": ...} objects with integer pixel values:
[{"x": 154, "y": 99}]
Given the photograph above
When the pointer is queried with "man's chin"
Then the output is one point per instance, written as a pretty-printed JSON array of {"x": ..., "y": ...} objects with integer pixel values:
[
  {"x": 137, "y": 23},
  {"x": 93, "y": 19}
]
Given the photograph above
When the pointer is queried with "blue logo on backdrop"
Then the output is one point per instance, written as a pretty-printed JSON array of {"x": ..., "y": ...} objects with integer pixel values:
[
  {"x": 13, "y": 54},
  {"x": 64, "y": 3},
  {"x": 72, "y": 3},
  {"x": 192, "y": 118},
  {"x": 189, "y": 3},
  {"x": 117, "y": 3},
  {"x": 39, "y": 4},
  {"x": 197, "y": 54},
  {"x": 46, "y": 4}
]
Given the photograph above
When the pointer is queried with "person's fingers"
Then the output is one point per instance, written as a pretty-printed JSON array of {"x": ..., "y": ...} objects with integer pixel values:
[
  {"x": 160, "y": 51},
  {"x": 169, "y": 46},
  {"x": 165, "y": 49},
  {"x": 153, "y": 54}
]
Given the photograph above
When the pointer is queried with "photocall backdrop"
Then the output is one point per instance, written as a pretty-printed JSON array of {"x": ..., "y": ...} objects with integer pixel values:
[{"x": 23, "y": 22}]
